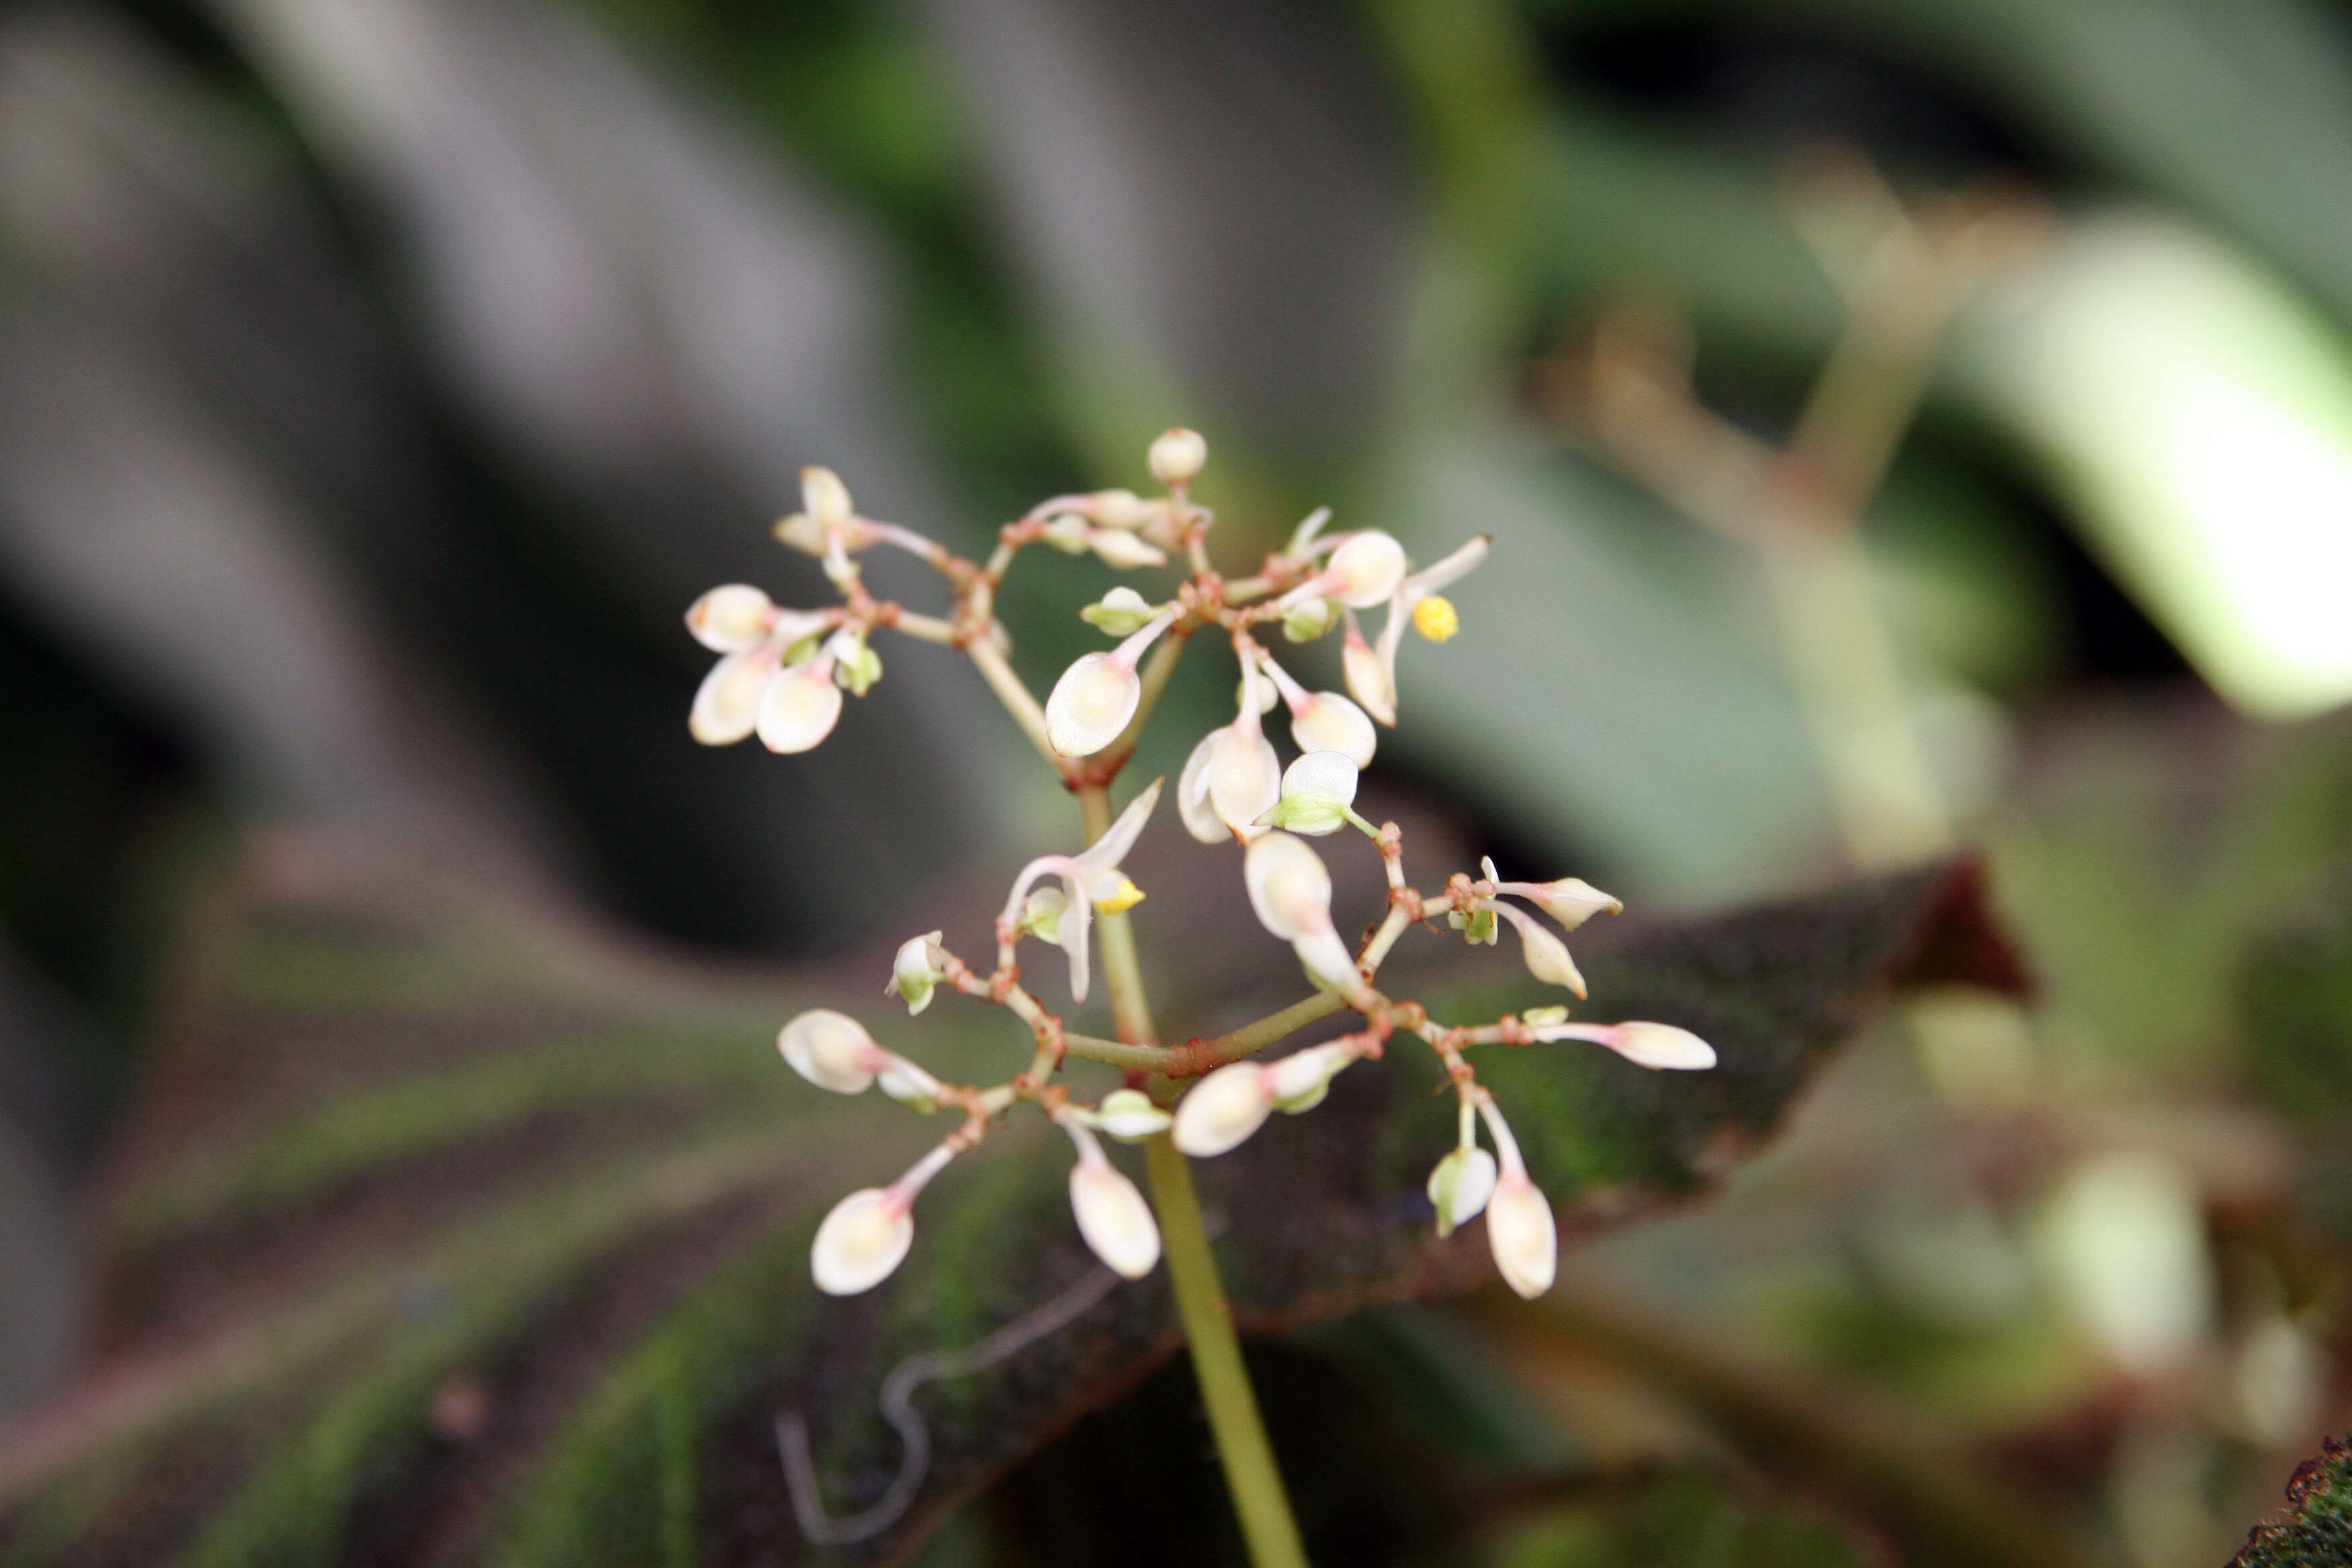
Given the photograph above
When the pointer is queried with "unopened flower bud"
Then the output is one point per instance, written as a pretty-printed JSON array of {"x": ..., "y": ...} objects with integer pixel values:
[
  {"x": 1460, "y": 1187},
  {"x": 1068, "y": 533},
  {"x": 1435, "y": 619},
  {"x": 800, "y": 707},
  {"x": 1091, "y": 704},
  {"x": 1520, "y": 1230},
  {"x": 1572, "y": 900},
  {"x": 1128, "y": 1115},
  {"x": 858, "y": 666},
  {"x": 1646, "y": 1045},
  {"x": 1124, "y": 551},
  {"x": 801, "y": 531},
  {"x": 915, "y": 973},
  {"x": 730, "y": 618},
  {"x": 1288, "y": 886},
  {"x": 1369, "y": 681},
  {"x": 1547, "y": 955},
  {"x": 1120, "y": 612},
  {"x": 1299, "y": 1082},
  {"x": 1112, "y": 1216},
  {"x": 1125, "y": 508},
  {"x": 1267, "y": 695},
  {"x": 727, "y": 707},
  {"x": 1366, "y": 570},
  {"x": 860, "y": 1243},
  {"x": 1318, "y": 790},
  {"x": 1543, "y": 1017},
  {"x": 1309, "y": 619},
  {"x": 1176, "y": 456},
  {"x": 824, "y": 498},
  {"x": 1222, "y": 1109},
  {"x": 832, "y": 1050},
  {"x": 1330, "y": 722},
  {"x": 908, "y": 1084}
]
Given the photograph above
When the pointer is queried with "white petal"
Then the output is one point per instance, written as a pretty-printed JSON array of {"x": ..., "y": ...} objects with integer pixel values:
[
  {"x": 1222, "y": 1109},
  {"x": 1547, "y": 955},
  {"x": 1077, "y": 920},
  {"x": 1460, "y": 1187},
  {"x": 1107, "y": 851},
  {"x": 824, "y": 498},
  {"x": 1519, "y": 1229},
  {"x": 1365, "y": 570},
  {"x": 832, "y": 1050},
  {"x": 1091, "y": 704},
  {"x": 1660, "y": 1046},
  {"x": 1293, "y": 1077},
  {"x": 1327, "y": 961},
  {"x": 1245, "y": 778},
  {"x": 1330, "y": 722},
  {"x": 1192, "y": 803},
  {"x": 729, "y": 619},
  {"x": 1288, "y": 886},
  {"x": 726, "y": 708},
  {"x": 1331, "y": 774},
  {"x": 1452, "y": 569},
  {"x": 800, "y": 707},
  {"x": 1369, "y": 681},
  {"x": 861, "y": 1241},
  {"x": 1128, "y": 1115},
  {"x": 1114, "y": 1219}
]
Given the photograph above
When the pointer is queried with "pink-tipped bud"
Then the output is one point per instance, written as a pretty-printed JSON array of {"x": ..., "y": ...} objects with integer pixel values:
[
  {"x": 832, "y": 1050},
  {"x": 861, "y": 1241},
  {"x": 1365, "y": 570},
  {"x": 1112, "y": 1216}
]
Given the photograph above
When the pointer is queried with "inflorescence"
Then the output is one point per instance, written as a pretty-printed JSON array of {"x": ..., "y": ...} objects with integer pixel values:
[{"x": 781, "y": 675}]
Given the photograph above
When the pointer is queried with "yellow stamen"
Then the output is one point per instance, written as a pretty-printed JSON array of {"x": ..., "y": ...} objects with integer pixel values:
[
  {"x": 1122, "y": 898},
  {"x": 1434, "y": 618}
]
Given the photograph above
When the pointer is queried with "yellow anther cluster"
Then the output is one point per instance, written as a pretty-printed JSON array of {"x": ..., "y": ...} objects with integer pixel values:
[{"x": 1435, "y": 619}]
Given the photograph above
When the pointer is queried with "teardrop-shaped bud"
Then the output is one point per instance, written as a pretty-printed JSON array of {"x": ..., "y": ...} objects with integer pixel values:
[
  {"x": 915, "y": 972},
  {"x": 860, "y": 1243},
  {"x": 1367, "y": 678},
  {"x": 1365, "y": 570},
  {"x": 1547, "y": 955},
  {"x": 1091, "y": 704},
  {"x": 1520, "y": 1231},
  {"x": 1193, "y": 802},
  {"x": 1176, "y": 456},
  {"x": 1330, "y": 722},
  {"x": 1460, "y": 1187},
  {"x": 908, "y": 1084},
  {"x": 1245, "y": 778},
  {"x": 731, "y": 618},
  {"x": 1288, "y": 886},
  {"x": 1222, "y": 1109},
  {"x": 1298, "y": 1082},
  {"x": 824, "y": 498},
  {"x": 1647, "y": 1045},
  {"x": 1113, "y": 1217},
  {"x": 1318, "y": 792},
  {"x": 800, "y": 707},
  {"x": 1121, "y": 612},
  {"x": 1124, "y": 551},
  {"x": 726, "y": 708},
  {"x": 1128, "y": 1115},
  {"x": 1309, "y": 619},
  {"x": 832, "y": 1050}
]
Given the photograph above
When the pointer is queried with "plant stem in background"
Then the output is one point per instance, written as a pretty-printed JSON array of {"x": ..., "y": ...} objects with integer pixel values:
[{"x": 1251, "y": 1475}]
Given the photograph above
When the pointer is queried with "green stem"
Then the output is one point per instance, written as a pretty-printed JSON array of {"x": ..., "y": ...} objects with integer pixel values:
[{"x": 1251, "y": 1475}]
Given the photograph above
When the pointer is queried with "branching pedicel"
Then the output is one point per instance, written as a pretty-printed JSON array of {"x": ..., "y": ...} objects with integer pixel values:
[{"x": 782, "y": 675}]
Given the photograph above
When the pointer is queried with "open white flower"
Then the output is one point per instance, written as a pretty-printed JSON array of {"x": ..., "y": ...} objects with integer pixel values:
[
  {"x": 866, "y": 1235},
  {"x": 1099, "y": 693},
  {"x": 740, "y": 623},
  {"x": 1519, "y": 1226},
  {"x": 1646, "y": 1044},
  {"x": 1092, "y": 882},
  {"x": 916, "y": 970},
  {"x": 1291, "y": 892},
  {"x": 1112, "y": 1216},
  {"x": 1374, "y": 671},
  {"x": 1233, "y": 776},
  {"x": 1325, "y": 720}
]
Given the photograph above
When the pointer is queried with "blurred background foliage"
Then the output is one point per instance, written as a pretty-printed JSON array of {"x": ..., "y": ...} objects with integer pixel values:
[{"x": 379, "y": 379}]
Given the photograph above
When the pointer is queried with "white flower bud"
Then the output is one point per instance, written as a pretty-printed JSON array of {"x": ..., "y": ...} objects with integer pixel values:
[
  {"x": 1365, "y": 570},
  {"x": 1299, "y": 1082},
  {"x": 1317, "y": 791},
  {"x": 908, "y": 1084},
  {"x": 1645, "y": 1045},
  {"x": 1547, "y": 955},
  {"x": 1460, "y": 1187},
  {"x": 1176, "y": 456},
  {"x": 1542, "y": 1017},
  {"x": 731, "y": 618},
  {"x": 1309, "y": 619},
  {"x": 1572, "y": 900},
  {"x": 1330, "y": 722},
  {"x": 916, "y": 971},
  {"x": 1245, "y": 778},
  {"x": 1128, "y": 1115},
  {"x": 1268, "y": 695},
  {"x": 800, "y": 707},
  {"x": 1124, "y": 551},
  {"x": 1120, "y": 612},
  {"x": 863, "y": 1239},
  {"x": 1327, "y": 963},
  {"x": 1520, "y": 1228},
  {"x": 1091, "y": 704},
  {"x": 1369, "y": 681},
  {"x": 1288, "y": 886},
  {"x": 1222, "y": 1109},
  {"x": 1124, "y": 509},
  {"x": 727, "y": 707},
  {"x": 832, "y": 1050},
  {"x": 1112, "y": 1216},
  {"x": 824, "y": 498},
  {"x": 1068, "y": 533},
  {"x": 799, "y": 531}
]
